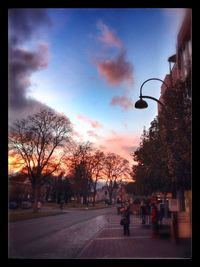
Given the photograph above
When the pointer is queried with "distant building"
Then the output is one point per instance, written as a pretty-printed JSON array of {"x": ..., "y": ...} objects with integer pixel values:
[{"x": 102, "y": 194}]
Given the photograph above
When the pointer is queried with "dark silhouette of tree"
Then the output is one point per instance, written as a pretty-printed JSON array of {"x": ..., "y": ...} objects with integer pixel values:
[
  {"x": 97, "y": 165},
  {"x": 39, "y": 142},
  {"x": 151, "y": 172},
  {"x": 164, "y": 154},
  {"x": 116, "y": 168},
  {"x": 175, "y": 127},
  {"x": 80, "y": 169}
]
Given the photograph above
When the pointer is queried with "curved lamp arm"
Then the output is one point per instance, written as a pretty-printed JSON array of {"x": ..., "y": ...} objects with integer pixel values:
[
  {"x": 141, "y": 96},
  {"x": 153, "y": 98}
]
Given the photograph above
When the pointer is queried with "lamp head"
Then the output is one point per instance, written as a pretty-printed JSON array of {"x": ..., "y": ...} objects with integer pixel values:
[{"x": 140, "y": 104}]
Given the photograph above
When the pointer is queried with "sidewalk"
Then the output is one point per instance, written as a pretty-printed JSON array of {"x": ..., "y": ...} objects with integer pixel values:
[{"x": 111, "y": 243}]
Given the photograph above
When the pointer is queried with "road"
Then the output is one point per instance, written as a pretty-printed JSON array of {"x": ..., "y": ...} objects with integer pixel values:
[{"x": 60, "y": 237}]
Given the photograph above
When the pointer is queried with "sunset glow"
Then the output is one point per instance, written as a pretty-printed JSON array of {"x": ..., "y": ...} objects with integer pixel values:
[{"x": 89, "y": 65}]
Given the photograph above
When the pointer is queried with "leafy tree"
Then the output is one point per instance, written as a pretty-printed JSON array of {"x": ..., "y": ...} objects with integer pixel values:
[
  {"x": 175, "y": 127},
  {"x": 164, "y": 155},
  {"x": 130, "y": 188},
  {"x": 151, "y": 172},
  {"x": 39, "y": 141}
]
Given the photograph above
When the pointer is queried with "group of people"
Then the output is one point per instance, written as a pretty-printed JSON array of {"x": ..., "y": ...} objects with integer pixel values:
[{"x": 151, "y": 213}]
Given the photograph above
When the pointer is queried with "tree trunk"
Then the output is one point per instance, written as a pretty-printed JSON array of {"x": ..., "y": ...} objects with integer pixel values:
[
  {"x": 35, "y": 198},
  {"x": 85, "y": 200},
  {"x": 94, "y": 194},
  {"x": 110, "y": 196}
]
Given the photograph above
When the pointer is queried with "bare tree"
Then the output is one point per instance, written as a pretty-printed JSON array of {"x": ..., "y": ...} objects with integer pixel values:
[
  {"x": 116, "y": 169},
  {"x": 79, "y": 164},
  {"x": 97, "y": 165},
  {"x": 39, "y": 142}
]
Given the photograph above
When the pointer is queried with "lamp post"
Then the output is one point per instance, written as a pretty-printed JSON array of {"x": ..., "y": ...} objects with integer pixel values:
[{"x": 141, "y": 104}]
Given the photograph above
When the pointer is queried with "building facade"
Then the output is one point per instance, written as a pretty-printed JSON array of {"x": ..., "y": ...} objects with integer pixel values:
[{"x": 182, "y": 60}]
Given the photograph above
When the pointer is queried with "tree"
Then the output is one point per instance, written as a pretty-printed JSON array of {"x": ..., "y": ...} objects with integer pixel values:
[
  {"x": 116, "y": 168},
  {"x": 151, "y": 172},
  {"x": 175, "y": 124},
  {"x": 130, "y": 188},
  {"x": 164, "y": 155},
  {"x": 80, "y": 169},
  {"x": 97, "y": 165},
  {"x": 39, "y": 142}
]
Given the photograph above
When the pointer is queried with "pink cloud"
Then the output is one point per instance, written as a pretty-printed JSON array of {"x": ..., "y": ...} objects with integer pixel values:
[
  {"x": 75, "y": 133},
  {"x": 93, "y": 123},
  {"x": 117, "y": 70},
  {"x": 113, "y": 132},
  {"x": 121, "y": 144},
  {"x": 93, "y": 134},
  {"x": 122, "y": 101},
  {"x": 108, "y": 37}
]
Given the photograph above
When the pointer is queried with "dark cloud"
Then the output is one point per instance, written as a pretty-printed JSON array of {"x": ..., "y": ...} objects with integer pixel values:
[
  {"x": 23, "y": 25},
  {"x": 22, "y": 64},
  {"x": 25, "y": 22}
]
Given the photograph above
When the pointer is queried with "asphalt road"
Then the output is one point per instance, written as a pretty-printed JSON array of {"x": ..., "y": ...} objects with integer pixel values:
[{"x": 60, "y": 236}]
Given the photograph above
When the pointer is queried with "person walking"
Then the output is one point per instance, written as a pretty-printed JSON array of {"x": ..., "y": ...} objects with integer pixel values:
[
  {"x": 61, "y": 204},
  {"x": 39, "y": 205},
  {"x": 143, "y": 211},
  {"x": 154, "y": 220},
  {"x": 148, "y": 212},
  {"x": 125, "y": 221}
]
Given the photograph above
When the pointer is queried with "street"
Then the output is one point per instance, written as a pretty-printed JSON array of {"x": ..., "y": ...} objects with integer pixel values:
[
  {"x": 60, "y": 236},
  {"x": 91, "y": 234}
]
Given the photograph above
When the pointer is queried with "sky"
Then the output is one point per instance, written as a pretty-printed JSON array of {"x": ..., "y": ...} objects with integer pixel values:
[{"x": 89, "y": 64}]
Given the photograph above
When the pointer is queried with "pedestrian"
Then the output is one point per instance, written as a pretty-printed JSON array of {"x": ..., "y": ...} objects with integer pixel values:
[
  {"x": 154, "y": 219},
  {"x": 62, "y": 204},
  {"x": 143, "y": 211},
  {"x": 148, "y": 212},
  {"x": 161, "y": 213},
  {"x": 125, "y": 221},
  {"x": 39, "y": 205}
]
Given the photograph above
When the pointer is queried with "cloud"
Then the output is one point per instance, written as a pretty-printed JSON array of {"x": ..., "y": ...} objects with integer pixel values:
[
  {"x": 130, "y": 149},
  {"x": 24, "y": 24},
  {"x": 125, "y": 125},
  {"x": 121, "y": 144},
  {"x": 93, "y": 123},
  {"x": 22, "y": 64},
  {"x": 108, "y": 37},
  {"x": 93, "y": 134},
  {"x": 76, "y": 134},
  {"x": 122, "y": 101},
  {"x": 117, "y": 70}
]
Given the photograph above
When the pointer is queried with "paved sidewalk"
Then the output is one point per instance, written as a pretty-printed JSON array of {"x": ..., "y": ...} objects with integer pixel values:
[{"x": 111, "y": 243}]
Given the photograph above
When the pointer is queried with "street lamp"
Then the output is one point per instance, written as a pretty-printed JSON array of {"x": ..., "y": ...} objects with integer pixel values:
[{"x": 141, "y": 104}]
